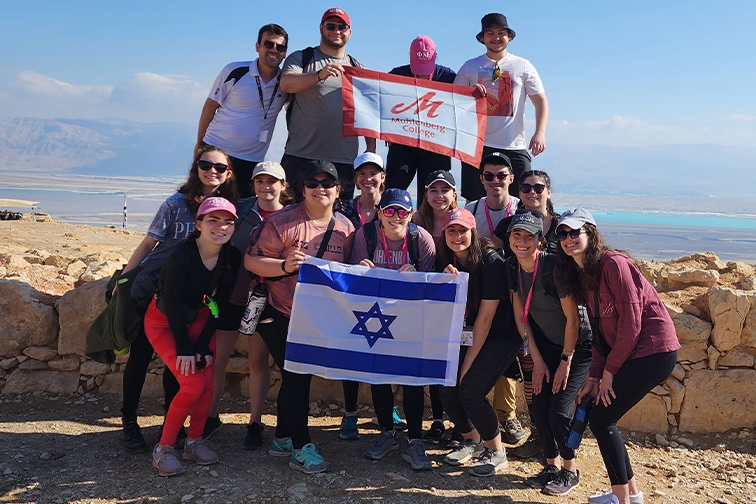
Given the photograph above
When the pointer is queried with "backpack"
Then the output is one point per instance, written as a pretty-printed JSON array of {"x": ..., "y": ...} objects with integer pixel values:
[
  {"x": 371, "y": 240},
  {"x": 547, "y": 262}
]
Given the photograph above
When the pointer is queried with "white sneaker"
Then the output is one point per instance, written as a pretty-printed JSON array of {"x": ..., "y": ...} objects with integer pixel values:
[{"x": 606, "y": 498}]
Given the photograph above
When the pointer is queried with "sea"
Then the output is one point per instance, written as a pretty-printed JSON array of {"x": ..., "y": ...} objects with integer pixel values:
[{"x": 656, "y": 227}]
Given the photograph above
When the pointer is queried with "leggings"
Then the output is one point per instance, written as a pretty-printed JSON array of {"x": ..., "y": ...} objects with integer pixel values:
[
  {"x": 195, "y": 392},
  {"x": 351, "y": 391},
  {"x": 413, "y": 402},
  {"x": 466, "y": 403},
  {"x": 632, "y": 382},
  {"x": 434, "y": 391}
]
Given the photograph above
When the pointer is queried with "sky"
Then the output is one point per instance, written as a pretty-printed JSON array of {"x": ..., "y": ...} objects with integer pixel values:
[{"x": 616, "y": 73}]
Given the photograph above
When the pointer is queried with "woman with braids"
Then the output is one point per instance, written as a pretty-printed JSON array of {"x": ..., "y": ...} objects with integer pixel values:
[{"x": 635, "y": 344}]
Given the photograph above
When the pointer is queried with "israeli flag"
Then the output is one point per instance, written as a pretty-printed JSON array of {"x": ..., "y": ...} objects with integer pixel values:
[{"x": 376, "y": 325}]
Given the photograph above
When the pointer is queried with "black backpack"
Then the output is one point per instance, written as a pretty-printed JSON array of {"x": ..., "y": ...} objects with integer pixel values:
[{"x": 371, "y": 240}]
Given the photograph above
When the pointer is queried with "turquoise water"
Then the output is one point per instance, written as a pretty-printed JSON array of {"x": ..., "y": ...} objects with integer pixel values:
[{"x": 671, "y": 219}]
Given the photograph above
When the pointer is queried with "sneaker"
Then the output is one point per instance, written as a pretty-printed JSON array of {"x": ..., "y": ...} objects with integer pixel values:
[
  {"x": 308, "y": 460},
  {"x": 212, "y": 424},
  {"x": 197, "y": 451},
  {"x": 133, "y": 440},
  {"x": 605, "y": 498},
  {"x": 562, "y": 483},
  {"x": 165, "y": 461},
  {"x": 543, "y": 478},
  {"x": 254, "y": 437},
  {"x": 456, "y": 439},
  {"x": 512, "y": 431},
  {"x": 348, "y": 430},
  {"x": 529, "y": 449},
  {"x": 280, "y": 448},
  {"x": 415, "y": 456},
  {"x": 466, "y": 451},
  {"x": 398, "y": 422},
  {"x": 489, "y": 463},
  {"x": 385, "y": 444},
  {"x": 435, "y": 433}
]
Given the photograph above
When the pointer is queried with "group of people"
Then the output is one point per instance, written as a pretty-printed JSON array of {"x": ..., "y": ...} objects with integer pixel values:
[{"x": 547, "y": 299}]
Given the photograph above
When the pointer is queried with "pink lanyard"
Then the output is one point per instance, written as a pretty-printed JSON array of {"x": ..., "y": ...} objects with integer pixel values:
[
  {"x": 359, "y": 212},
  {"x": 388, "y": 252},
  {"x": 488, "y": 215},
  {"x": 526, "y": 306}
]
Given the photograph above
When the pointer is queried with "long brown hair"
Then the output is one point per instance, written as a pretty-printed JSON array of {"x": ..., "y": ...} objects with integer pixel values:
[
  {"x": 546, "y": 181},
  {"x": 192, "y": 188},
  {"x": 575, "y": 279},
  {"x": 426, "y": 211},
  {"x": 474, "y": 266}
]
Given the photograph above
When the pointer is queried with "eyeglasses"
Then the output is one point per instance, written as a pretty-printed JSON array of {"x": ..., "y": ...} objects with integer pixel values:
[
  {"x": 328, "y": 183},
  {"x": 488, "y": 176},
  {"x": 336, "y": 26},
  {"x": 526, "y": 188},
  {"x": 401, "y": 212},
  {"x": 269, "y": 44},
  {"x": 562, "y": 235},
  {"x": 207, "y": 165}
]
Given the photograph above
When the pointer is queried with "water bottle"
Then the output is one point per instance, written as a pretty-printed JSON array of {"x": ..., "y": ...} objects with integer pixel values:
[
  {"x": 579, "y": 422},
  {"x": 258, "y": 297}
]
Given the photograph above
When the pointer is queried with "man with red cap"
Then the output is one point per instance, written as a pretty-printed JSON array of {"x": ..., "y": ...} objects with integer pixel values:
[
  {"x": 314, "y": 116},
  {"x": 404, "y": 161}
]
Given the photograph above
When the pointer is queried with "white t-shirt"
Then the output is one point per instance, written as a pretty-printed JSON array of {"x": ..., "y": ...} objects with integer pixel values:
[
  {"x": 243, "y": 124},
  {"x": 505, "y": 127},
  {"x": 481, "y": 221}
]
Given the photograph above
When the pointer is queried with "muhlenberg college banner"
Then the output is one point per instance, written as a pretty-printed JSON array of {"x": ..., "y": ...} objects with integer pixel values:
[{"x": 434, "y": 116}]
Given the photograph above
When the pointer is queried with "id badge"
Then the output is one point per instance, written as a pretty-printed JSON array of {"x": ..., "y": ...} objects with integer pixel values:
[
  {"x": 263, "y": 136},
  {"x": 467, "y": 336}
]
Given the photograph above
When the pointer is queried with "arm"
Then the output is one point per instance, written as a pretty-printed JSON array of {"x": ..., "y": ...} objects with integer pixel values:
[
  {"x": 144, "y": 248},
  {"x": 295, "y": 82},
  {"x": 571, "y": 332},
  {"x": 370, "y": 145},
  {"x": 206, "y": 117},
  {"x": 538, "y": 142}
]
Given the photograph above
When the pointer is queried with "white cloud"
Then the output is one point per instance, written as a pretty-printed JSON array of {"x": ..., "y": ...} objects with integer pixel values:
[
  {"x": 742, "y": 118},
  {"x": 37, "y": 85}
]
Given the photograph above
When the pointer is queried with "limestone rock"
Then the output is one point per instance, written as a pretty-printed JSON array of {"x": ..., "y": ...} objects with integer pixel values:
[
  {"x": 728, "y": 309},
  {"x": 32, "y": 364},
  {"x": 678, "y": 372},
  {"x": 22, "y": 381},
  {"x": 237, "y": 365},
  {"x": 713, "y": 356},
  {"x": 153, "y": 385},
  {"x": 77, "y": 309},
  {"x": 240, "y": 345},
  {"x": 65, "y": 363},
  {"x": 680, "y": 279},
  {"x": 33, "y": 259},
  {"x": 708, "y": 260},
  {"x": 93, "y": 368},
  {"x": 691, "y": 329},
  {"x": 58, "y": 261},
  {"x": 112, "y": 384},
  {"x": 736, "y": 357},
  {"x": 24, "y": 321},
  {"x": 40, "y": 353},
  {"x": 748, "y": 336},
  {"x": 692, "y": 352},
  {"x": 650, "y": 270},
  {"x": 96, "y": 271},
  {"x": 75, "y": 268},
  {"x": 10, "y": 362},
  {"x": 649, "y": 415},
  {"x": 13, "y": 264},
  {"x": 716, "y": 401},
  {"x": 676, "y": 394}
]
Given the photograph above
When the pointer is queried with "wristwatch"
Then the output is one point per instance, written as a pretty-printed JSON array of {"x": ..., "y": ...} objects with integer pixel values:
[{"x": 566, "y": 358}]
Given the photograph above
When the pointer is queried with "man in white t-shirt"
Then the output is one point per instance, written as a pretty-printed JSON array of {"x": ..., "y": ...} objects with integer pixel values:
[
  {"x": 505, "y": 80},
  {"x": 244, "y": 102}
]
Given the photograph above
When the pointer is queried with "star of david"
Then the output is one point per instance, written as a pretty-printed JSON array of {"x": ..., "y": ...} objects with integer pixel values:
[{"x": 362, "y": 320}]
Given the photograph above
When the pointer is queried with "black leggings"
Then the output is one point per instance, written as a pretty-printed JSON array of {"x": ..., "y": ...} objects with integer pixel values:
[
  {"x": 413, "y": 402},
  {"x": 632, "y": 382},
  {"x": 351, "y": 391}
]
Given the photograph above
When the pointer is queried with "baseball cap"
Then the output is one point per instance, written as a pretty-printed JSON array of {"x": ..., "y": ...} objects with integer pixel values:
[
  {"x": 368, "y": 157},
  {"x": 495, "y": 158},
  {"x": 395, "y": 197},
  {"x": 441, "y": 175},
  {"x": 526, "y": 221},
  {"x": 269, "y": 168},
  {"x": 576, "y": 217},
  {"x": 321, "y": 166},
  {"x": 459, "y": 216},
  {"x": 216, "y": 204},
  {"x": 337, "y": 12},
  {"x": 422, "y": 56}
]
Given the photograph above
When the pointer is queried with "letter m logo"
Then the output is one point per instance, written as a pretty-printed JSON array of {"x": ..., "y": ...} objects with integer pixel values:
[{"x": 423, "y": 103}]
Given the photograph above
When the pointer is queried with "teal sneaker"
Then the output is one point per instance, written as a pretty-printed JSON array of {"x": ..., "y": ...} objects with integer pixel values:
[
  {"x": 398, "y": 422},
  {"x": 348, "y": 429},
  {"x": 279, "y": 448},
  {"x": 308, "y": 460}
]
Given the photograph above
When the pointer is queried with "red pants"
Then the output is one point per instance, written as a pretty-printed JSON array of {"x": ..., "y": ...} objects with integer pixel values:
[{"x": 196, "y": 390}]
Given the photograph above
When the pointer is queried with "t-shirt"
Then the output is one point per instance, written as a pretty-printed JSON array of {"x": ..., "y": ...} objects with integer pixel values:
[
  {"x": 291, "y": 229},
  {"x": 440, "y": 73},
  {"x": 243, "y": 124},
  {"x": 505, "y": 126},
  {"x": 478, "y": 209},
  {"x": 316, "y": 116},
  {"x": 426, "y": 250}
]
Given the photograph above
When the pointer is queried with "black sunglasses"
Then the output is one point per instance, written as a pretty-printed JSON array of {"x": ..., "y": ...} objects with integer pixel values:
[
  {"x": 488, "y": 176},
  {"x": 336, "y": 26},
  {"x": 328, "y": 183},
  {"x": 526, "y": 188},
  {"x": 268, "y": 44},
  {"x": 562, "y": 235},
  {"x": 207, "y": 165}
]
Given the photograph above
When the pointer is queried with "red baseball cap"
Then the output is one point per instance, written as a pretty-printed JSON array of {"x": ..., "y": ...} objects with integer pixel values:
[
  {"x": 423, "y": 56},
  {"x": 459, "y": 216},
  {"x": 337, "y": 12}
]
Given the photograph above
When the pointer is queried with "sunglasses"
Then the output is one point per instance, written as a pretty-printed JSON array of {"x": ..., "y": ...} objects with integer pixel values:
[
  {"x": 488, "y": 176},
  {"x": 572, "y": 233},
  {"x": 328, "y": 183},
  {"x": 538, "y": 188},
  {"x": 269, "y": 44},
  {"x": 401, "y": 212},
  {"x": 336, "y": 26},
  {"x": 207, "y": 165}
]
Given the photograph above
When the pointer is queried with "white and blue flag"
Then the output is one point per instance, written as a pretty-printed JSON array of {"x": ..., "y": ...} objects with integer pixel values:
[{"x": 376, "y": 325}]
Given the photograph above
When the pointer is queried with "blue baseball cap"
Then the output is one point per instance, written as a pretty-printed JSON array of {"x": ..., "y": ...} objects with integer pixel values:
[{"x": 395, "y": 197}]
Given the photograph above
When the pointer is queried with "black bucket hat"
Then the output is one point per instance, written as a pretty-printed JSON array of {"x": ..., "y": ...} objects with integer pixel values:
[{"x": 494, "y": 20}]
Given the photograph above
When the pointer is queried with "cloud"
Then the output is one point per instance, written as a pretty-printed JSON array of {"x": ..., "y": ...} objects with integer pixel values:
[
  {"x": 742, "y": 118},
  {"x": 38, "y": 85}
]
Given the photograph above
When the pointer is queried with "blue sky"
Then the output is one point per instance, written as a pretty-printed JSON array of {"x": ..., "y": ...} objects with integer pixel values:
[{"x": 616, "y": 73}]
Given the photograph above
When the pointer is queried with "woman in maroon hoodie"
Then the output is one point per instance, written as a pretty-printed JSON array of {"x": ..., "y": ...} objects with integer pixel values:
[{"x": 635, "y": 344}]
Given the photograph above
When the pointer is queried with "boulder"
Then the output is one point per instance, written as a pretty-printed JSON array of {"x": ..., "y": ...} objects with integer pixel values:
[
  {"x": 65, "y": 363},
  {"x": 713, "y": 356},
  {"x": 75, "y": 269},
  {"x": 708, "y": 260},
  {"x": 737, "y": 357},
  {"x": 78, "y": 309},
  {"x": 112, "y": 384},
  {"x": 24, "y": 321},
  {"x": 728, "y": 309},
  {"x": 690, "y": 329},
  {"x": 32, "y": 364},
  {"x": 60, "y": 262},
  {"x": 40, "y": 353},
  {"x": 649, "y": 415},
  {"x": 748, "y": 336},
  {"x": 716, "y": 401},
  {"x": 93, "y": 368},
  {"x": 96, "y": 271},
  {"x": 676, "y": 394},
  {"x": 22, "y": 381},
  {"x": 681, "y": 279},
  {"x": 326, "y": 390},
  {"x": 237, "y": 365}
]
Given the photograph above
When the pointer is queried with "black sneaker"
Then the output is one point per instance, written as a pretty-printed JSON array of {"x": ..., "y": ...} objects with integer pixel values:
[
  {"x": 562, "y": 483},
  {"x": 435, "y": 433},
  {"x": 133, "y": 440},
  {"x": 543, "y": 478},
  {"x": 254, "y": 437},
  {"x": 181, "y": 438},
  {"x": 456, "y": 439},
  {"x": 529, "y": 449},
  {"x": 212, "y": 424}
]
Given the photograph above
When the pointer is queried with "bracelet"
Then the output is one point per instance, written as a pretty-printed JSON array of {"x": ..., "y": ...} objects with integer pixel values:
[
  {"x": 318, "y": 76},
  {"x": 283, "y": 266}
]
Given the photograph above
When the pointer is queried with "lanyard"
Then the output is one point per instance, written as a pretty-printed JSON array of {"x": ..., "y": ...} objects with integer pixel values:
[
  {"x": 488, "y": 215},
  {"x": 272, "y": 97},
  {"x": 388, "y": 252},
  {"x": 526, "y": 305}
]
